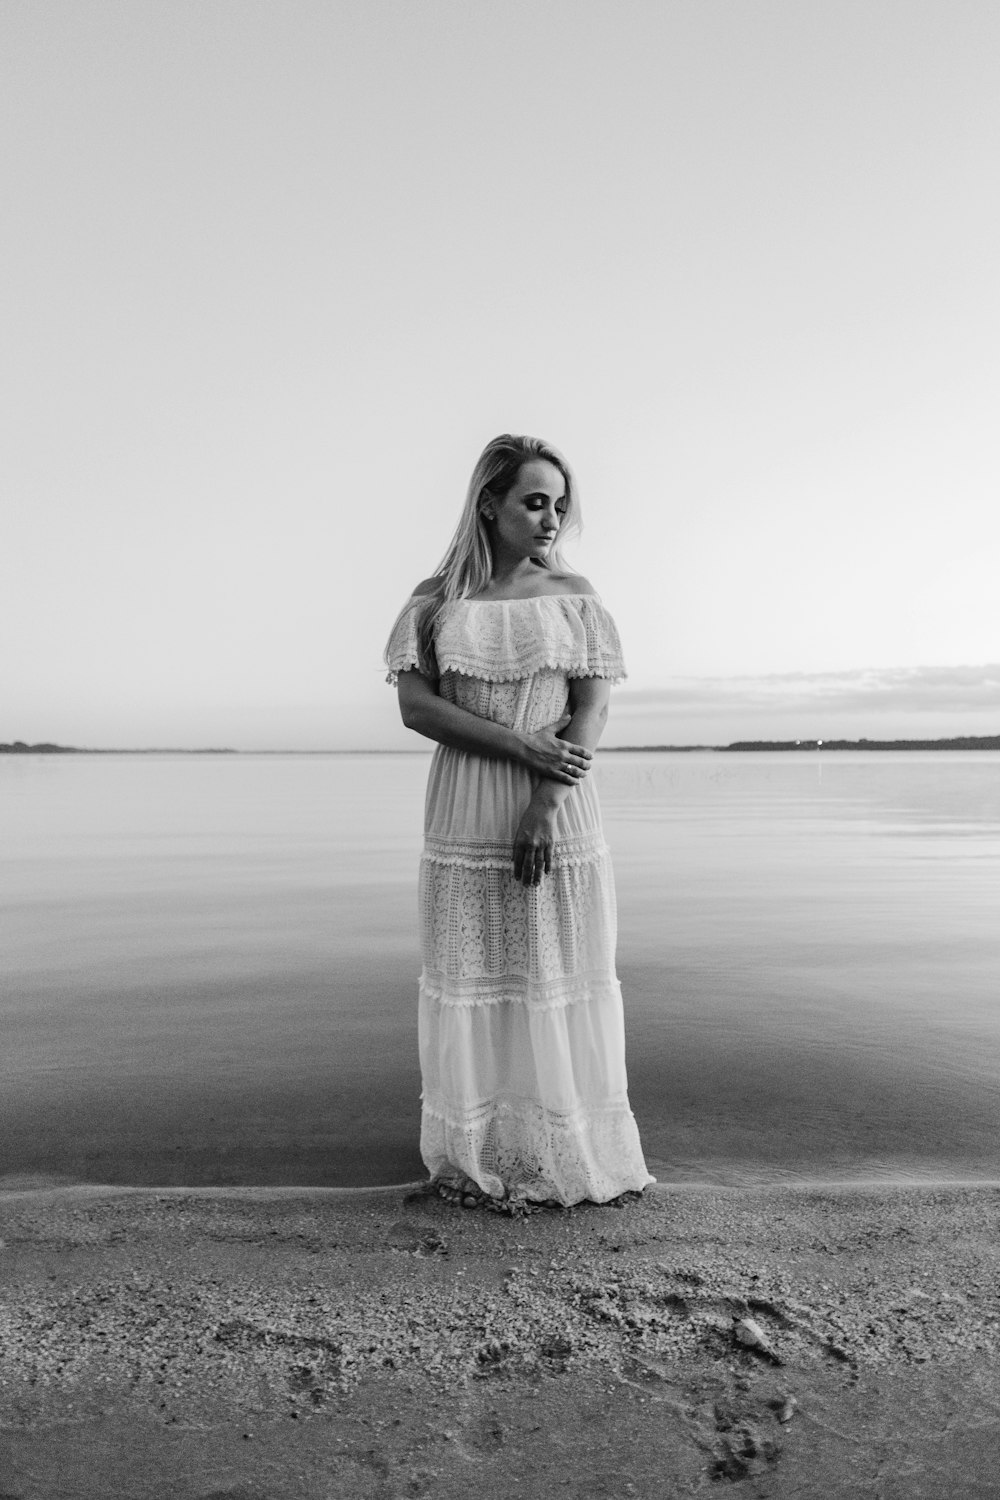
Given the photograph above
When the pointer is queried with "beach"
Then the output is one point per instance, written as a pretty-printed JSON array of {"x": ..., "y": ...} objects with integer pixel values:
[{"x": 261, "y": 1343}]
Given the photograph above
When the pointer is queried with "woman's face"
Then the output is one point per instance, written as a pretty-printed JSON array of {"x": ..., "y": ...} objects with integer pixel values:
[{"x": 525, "y": 522}]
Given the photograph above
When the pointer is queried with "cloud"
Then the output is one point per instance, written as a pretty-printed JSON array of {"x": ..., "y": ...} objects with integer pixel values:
[{"x": 864, "y": 690}]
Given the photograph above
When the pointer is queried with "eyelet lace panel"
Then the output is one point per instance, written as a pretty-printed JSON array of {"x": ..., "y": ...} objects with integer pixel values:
[
  {"x": 478, "y": 922},
  {"x": 525, "y": 703},
  {"x": 503, "y": 640}
]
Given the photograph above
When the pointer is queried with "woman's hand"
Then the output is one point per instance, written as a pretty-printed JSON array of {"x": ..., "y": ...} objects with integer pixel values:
[
  {"x": 556, "y": 759},
  {"x": 533, "y": 842}
]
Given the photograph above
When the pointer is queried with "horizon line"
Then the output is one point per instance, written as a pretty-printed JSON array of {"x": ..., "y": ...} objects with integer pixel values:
[{"x": 863, "y": 742}]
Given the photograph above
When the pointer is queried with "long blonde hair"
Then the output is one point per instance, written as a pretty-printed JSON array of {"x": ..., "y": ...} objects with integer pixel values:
[{"x": 467, "y": 565}]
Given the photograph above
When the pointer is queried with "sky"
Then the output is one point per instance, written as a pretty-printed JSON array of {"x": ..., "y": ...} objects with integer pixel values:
[{"x": 274, "y": 273}]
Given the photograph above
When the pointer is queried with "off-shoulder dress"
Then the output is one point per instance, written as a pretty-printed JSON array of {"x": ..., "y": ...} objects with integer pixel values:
[{"x": 521, "y": 1033}]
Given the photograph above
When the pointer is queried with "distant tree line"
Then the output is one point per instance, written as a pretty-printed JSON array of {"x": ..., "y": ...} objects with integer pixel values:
[
  {"x": 959, "y": 742},
  {"x": 20, "y": 748}
]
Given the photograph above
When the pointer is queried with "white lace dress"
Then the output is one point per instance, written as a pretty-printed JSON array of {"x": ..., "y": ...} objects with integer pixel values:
[{"x": 522, "y": 1047}]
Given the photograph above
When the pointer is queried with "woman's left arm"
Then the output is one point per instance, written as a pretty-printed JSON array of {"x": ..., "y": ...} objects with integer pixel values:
[{"x": 588, "y": 707}]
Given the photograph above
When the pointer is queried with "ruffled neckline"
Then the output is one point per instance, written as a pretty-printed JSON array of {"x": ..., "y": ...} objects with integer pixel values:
[
  {"x": 569, "y": 632},
  {"x": 526, "y": 599},
  {"x": 522, "y": 599}
]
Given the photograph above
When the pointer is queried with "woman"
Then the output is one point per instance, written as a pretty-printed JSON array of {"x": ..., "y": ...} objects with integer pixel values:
[{"x": 506, "y": 660}]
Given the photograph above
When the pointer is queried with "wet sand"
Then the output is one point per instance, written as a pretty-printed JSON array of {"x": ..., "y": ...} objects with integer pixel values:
[{"x": 261, "y": 1343}]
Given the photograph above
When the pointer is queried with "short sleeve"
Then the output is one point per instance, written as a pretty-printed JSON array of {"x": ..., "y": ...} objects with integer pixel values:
[
  {"x": 602, "y": 654},
  {"x": 402, "y": 651}
]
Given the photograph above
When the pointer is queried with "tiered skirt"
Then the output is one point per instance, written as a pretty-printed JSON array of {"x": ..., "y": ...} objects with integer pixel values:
[{"x": 522, "y": 1045}]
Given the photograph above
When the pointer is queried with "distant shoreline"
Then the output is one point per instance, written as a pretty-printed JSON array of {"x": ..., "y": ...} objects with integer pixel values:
[{"x": 958, "y": 742}]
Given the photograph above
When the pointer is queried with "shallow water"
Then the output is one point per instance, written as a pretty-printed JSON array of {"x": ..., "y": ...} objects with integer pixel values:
[{"x": 209, "y": 965}]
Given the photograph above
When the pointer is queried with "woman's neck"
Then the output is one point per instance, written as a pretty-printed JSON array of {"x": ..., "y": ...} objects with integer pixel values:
[
  {"x": 529, "y": 582},
  {"x": 512, "y": 573}
]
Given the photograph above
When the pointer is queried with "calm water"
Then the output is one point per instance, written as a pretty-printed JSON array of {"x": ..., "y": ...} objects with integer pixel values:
[{"x": 209, "y": 965}]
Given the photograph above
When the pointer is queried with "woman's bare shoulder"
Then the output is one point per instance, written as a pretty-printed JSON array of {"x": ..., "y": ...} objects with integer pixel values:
[
  {"x": 427, "y": 586},
  {"x": 575, "y": 583}
]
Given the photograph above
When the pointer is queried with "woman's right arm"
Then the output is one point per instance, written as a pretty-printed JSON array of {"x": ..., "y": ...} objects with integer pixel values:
[{"x": 424, "y": 711}]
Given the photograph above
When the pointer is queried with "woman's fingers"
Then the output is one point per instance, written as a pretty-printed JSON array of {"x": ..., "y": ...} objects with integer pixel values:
[
  {"x": 559, "y": 759},
  {"x": 531, "y": 863},
  {"x": 574, "y": 765}
]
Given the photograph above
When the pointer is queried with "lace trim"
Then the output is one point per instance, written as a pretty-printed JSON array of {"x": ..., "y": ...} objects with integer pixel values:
[
  {"x": 518, "y": 1107},
  {"x": 471, "y": 665},
  {"x": 517, "y": 989},
  {"x": 406, "y": 661},
  {"x": 401, "y": 653},
  {"x": 485, "y": 854},
  {"x": 516, "y": 1146},
  {"x": 504, "y": 640}
]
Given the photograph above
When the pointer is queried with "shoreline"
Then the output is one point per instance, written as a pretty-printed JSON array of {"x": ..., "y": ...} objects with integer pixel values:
[
  {"x": 36, "y": 1185},
  {"x": 377, "y": 1342}
]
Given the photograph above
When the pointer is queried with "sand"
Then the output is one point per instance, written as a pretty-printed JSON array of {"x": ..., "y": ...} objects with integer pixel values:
[{"x": 266, "y": 1343}]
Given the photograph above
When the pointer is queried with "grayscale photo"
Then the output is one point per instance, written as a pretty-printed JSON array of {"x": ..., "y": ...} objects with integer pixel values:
[{"x": 499, "y": 750}]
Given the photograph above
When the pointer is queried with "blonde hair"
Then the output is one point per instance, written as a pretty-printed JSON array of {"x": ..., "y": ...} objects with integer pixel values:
[{"x": 467, "y": 565}]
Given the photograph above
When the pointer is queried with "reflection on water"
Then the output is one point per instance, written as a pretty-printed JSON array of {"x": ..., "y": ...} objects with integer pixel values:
[
  {"x": 810, "y": 955},
  {"x": 210, "y": 964}
]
